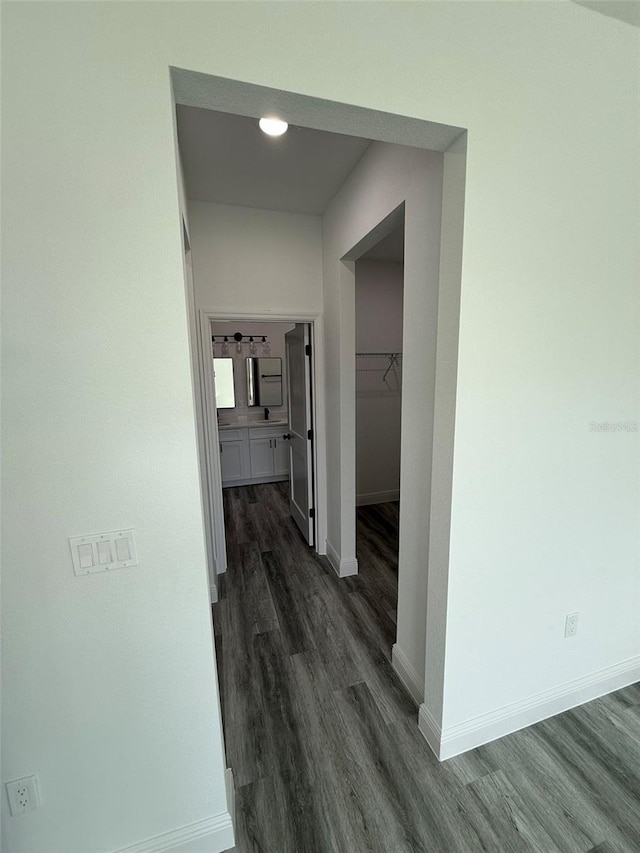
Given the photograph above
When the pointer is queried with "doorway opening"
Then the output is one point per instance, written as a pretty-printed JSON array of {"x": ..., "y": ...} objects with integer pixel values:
[
  {"x": 379, "y": 285},
  {"x": 258, "y": 385},
  {"x": 246, "y": 267}
]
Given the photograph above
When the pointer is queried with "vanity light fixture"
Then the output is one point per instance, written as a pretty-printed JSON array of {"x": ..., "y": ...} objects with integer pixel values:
[
  {"x": 241, "y": 339},
  {"x": 273, "y": 126}
]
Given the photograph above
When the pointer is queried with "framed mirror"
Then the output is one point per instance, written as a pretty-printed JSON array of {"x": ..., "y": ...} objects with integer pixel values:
[
  {"x": 225, "y": 390},
  {"x": 264, "y": 381}
]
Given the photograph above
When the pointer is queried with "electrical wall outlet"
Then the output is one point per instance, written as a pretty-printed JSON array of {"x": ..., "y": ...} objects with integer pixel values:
[
  {"x": 571, "y": 625},
  {"x": 23, "y": 795}
]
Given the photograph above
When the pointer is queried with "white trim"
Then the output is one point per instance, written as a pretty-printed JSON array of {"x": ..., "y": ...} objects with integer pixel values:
[
  {"x": 211, "y": 835},
  {"x": 231, "y": 795},
  {"x": 212, "y": 439},
  {"x": 518, "y": 715},
  {"x": 261, "y": 316},
  {"x": 213, "y": 593},
  {"x": 403, "y": 668},
  {"x": 343, "y": 568},
  {"x": 377, "y": 497},
  {"x": 430, "y": 730},
  {"x": 333, "y": 557}
]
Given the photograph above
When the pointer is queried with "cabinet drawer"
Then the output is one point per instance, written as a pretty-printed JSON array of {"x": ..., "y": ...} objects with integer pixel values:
[
  {"x": 231, "y": 435},
  {"x": 268, "y": 432}
]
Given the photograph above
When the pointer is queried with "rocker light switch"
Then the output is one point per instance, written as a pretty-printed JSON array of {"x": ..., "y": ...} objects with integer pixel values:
[
  {"x": 104, "y": 552},
  {"x": 101, "y": 552},
  {"x": 122, "y": 549},
  {"x": 85, "y": 555}
]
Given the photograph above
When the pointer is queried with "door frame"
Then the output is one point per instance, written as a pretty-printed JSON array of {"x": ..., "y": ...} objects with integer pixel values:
[
  {"x": 309, "y": 527},
  {"x": 212, "y": 482},
  {"x": 199, "y": 89}
]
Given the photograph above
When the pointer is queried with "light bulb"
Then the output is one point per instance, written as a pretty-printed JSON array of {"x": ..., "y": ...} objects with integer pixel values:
[{"x": 273, "y": 126}]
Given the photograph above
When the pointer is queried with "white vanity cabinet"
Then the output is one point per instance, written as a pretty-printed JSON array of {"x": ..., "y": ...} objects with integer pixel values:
[
  {"x": 257, "y": 454},
  {"x": 268, "y": 452},
  {"x": 234, "y": 456},
  {"x": 281, "y": 455}
]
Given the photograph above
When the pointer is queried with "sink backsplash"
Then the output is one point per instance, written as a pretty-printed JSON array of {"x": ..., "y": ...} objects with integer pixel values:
[{"x": 231, "y": 417}]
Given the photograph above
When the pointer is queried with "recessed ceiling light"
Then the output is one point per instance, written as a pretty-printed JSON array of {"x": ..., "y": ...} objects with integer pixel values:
[{"x": 273, "y": 126}]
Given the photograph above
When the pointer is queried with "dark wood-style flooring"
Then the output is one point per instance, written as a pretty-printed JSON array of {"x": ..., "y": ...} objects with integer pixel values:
[{"x": 323, "y": 740}]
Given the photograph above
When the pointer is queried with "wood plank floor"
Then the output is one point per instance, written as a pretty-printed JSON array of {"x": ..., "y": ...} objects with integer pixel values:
[{"x": 323, "y": 740}]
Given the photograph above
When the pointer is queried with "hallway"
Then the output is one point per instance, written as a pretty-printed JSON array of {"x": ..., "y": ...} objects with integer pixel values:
[{"x": 323, "y": 740}]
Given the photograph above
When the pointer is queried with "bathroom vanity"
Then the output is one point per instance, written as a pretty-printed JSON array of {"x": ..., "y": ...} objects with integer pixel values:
[
  {"x": 253, "y": 452},
  {"x": 253, "y": 448}
]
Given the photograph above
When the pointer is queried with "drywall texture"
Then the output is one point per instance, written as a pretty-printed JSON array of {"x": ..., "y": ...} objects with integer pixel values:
[
  {"x": 251, "y": 260},
  {"x": 110, "y": 680},
  {"x": 378, "y": 294}
]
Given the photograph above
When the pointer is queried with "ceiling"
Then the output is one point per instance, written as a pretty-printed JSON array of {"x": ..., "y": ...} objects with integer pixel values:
[
  {"x": 627, "y": 11},
  {"x": 228, "y": 160},
  {"x": 390, "y": 248}
]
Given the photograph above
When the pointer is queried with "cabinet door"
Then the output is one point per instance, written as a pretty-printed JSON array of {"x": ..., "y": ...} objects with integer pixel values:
[
  {"x": 280, "y": 456},
  {"x": 231, "y": 460},
  {"x": 261, "y": 453}
]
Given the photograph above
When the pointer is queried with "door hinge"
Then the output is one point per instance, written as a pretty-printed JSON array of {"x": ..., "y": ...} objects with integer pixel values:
[
  {"x": 307, "y": 349},
  {"x": 310, "y": 434},
  {"x": 312, "y": 513}
]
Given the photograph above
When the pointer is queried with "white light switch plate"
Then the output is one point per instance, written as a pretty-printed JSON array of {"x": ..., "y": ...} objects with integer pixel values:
[{"x": 101, "y": 552}]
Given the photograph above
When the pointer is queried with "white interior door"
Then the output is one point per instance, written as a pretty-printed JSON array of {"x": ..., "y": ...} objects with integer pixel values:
[{"x": 298, "y": 355}]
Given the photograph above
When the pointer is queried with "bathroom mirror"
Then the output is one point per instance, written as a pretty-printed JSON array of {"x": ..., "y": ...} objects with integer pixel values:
[
  {"x": 264, "y": 381},
  {"x": 225, "y": 391}
]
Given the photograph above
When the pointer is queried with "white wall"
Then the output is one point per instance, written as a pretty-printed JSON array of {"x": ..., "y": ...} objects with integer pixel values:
[
  {"x": 247, "y": 259},
  {"x": 275, "y": 333},
  {"x": 109, "y": 680},
  {"x": 378, "y": 294},
  {"x": 386, "y": 177},
  {"x": 378, "y": 315}
]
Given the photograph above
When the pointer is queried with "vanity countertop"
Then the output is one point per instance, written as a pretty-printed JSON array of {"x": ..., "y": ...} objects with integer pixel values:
[{"x": 242, "y": 423}]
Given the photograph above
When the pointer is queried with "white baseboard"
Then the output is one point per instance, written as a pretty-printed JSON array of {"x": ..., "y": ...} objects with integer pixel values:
[
  {"x": 213, "y": 593},
  {"x": 231, "y": 795},
  {"x": 377, "y": 497},
  {"x": 518, "y": 715},
  {"x": 407, "y": 674},
  {"x": 430, "y": 730},
  {"x": 344, "y": 568},
  {"x": 211, "y": 835}
]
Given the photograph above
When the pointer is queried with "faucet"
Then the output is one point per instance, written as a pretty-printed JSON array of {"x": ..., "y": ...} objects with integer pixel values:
[{"x": 266, "y": 414}]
